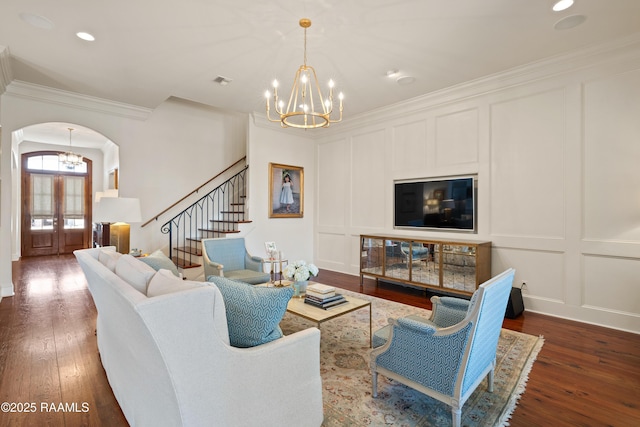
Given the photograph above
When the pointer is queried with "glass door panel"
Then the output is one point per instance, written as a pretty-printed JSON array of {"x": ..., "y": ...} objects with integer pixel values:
[
  {"x": 396, "y": 263},
  {"x": 459, "y": 268},
  {"x": 425, "y": 265},
  {"x": 372, "y": 256}
]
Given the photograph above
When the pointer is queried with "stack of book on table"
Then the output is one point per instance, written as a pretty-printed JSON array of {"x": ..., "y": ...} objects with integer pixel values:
[{"x": 323, "y": 296}]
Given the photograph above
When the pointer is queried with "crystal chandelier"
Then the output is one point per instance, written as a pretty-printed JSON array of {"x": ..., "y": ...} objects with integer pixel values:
[
  {"x": 70, "y": 159},
  {"x": 306, "y": 108}
]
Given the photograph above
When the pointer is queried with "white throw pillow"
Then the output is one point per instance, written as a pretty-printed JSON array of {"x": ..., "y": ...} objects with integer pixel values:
[
  {"x": 134, "y": 272},
  {"x": 164, "y": 282},
  {"x": 109, "y": 258}
]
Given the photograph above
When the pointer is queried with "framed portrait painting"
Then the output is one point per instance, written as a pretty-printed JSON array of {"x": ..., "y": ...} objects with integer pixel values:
[{"x": 286, "y": 191}]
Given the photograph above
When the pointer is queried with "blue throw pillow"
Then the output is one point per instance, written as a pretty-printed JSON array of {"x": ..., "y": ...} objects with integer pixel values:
[
  {"x": 253, "y": 312},
  {"x": 159, "y": 260}
]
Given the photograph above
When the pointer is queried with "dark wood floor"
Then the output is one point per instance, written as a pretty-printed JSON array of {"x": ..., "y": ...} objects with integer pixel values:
[{"x": 49, "y": 363}]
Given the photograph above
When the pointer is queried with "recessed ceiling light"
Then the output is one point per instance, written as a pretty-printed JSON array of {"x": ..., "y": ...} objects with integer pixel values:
[
  {"x": 405, "y": 80},
  {"x": 393, "y": 73},
  {"x": 85, "y": 36},
  {"x": 569, "y": 22},
  {"x": 561, "y": 5},
  {"x": 37, "y": 20}
]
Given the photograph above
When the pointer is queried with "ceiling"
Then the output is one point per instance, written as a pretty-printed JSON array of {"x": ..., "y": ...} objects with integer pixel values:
[{"x": 147, "y": 51}]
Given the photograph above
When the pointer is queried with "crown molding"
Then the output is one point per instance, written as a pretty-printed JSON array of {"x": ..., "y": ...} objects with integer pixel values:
[
  {"x": 5, "y": 68},
  {"x": 49, "y": 95}
]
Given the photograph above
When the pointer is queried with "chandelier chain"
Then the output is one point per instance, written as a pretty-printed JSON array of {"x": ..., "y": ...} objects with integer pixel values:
[{"x": 70, "y": 159}]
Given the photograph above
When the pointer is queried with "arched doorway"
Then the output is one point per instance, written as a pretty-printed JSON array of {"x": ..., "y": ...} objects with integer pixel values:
[{"x": 56, "y": 204}]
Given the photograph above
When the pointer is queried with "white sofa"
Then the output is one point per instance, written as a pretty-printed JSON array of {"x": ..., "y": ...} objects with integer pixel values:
[{"x": 169, "y": 362}]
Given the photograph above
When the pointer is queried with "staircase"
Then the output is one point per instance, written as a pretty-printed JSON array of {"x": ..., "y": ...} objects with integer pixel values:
[{"x": 216, "y": 214}]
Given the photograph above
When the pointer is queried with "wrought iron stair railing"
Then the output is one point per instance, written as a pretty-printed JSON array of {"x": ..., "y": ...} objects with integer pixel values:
[{"x": 215, "y": 214}]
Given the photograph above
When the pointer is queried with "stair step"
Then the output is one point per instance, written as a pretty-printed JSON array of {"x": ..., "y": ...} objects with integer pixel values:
[
  {"x": 183, "y": 263},
  {"x": 222, "y": 221},
  {"x": 207, "y": 230},
  {"x": 189, "y": 250},
  {"x": 236, "y": 204}
]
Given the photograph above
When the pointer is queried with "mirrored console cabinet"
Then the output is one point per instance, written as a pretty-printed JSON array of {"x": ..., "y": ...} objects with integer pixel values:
[{"x": 449, "y": 266}]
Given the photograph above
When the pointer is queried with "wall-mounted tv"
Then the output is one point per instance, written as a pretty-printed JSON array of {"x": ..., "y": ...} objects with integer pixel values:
[{"x": 437, "y": 203}]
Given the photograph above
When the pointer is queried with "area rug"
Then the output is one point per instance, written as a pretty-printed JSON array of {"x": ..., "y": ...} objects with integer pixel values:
[{"x": 346, "y": 377}]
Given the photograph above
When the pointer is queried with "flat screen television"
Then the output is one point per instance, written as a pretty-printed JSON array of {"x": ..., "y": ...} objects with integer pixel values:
[{"x": 438, "y": 203}]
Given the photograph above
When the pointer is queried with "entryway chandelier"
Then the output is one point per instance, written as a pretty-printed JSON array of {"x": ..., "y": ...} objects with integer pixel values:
[
  {"x": 307, "y": 108},
  {"x": 70, "y": 159}
]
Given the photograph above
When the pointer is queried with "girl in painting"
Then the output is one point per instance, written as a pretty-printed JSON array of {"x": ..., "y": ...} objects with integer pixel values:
[{"x": 286, "y": 195}]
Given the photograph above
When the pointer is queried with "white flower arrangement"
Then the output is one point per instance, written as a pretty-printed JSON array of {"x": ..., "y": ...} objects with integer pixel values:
[{"x": 300, "y": 271}]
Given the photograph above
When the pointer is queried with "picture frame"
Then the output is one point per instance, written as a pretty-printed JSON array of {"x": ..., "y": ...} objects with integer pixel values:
[
  {"x": 286, "y": 191},
  {"x": 272, "y": 249},
  {"x": 113, "y": 179}
]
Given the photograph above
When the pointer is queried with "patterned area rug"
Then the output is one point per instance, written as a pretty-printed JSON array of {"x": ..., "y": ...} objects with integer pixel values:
[{"x": 346, "y": 378}]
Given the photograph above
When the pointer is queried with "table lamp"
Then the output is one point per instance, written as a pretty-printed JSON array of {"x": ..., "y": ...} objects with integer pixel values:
[{"x": 119, "y": 212}]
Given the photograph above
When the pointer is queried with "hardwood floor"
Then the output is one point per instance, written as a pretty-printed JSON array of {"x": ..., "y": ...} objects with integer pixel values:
[
  {"x": 584, "y": 376},
  {"x": 48, "y": 351}
]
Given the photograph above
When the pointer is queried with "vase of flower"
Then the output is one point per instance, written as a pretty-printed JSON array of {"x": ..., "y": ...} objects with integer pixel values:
[
  {"x": 300, "y": 288},
  {"x": 300, "y": 272}
]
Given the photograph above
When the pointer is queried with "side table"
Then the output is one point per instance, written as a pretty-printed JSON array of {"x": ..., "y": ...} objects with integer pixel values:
[{"x": 276, "y": 267}]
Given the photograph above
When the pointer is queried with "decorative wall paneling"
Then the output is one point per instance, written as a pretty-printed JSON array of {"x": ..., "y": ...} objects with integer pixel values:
[
  {"x": 408, "y": 146},
  {"x": 555, "y": 148},
  {"x": 611, "y": 156},
  {"x": 528, "y": 165},
  {"x": 456, "y": 138},
  {"x": 334, "y": 192},
  {"x": 368, "y": 183}
]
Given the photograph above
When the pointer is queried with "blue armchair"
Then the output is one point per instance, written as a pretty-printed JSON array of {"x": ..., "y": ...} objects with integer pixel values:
[
  {"x": 229, "y": 258},
  {"x": 448, "y": 355}
]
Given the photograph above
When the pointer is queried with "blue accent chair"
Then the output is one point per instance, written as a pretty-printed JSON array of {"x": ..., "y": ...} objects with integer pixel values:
[
  {"x": 448, "y": 355},
  {"x": 227, "y": 257}
]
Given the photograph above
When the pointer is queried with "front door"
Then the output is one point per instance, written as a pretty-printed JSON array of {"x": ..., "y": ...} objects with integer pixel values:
[{"x": 56, "y": 205}]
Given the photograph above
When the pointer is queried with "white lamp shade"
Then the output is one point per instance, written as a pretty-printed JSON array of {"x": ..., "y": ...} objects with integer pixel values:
[
  {"x": 117, "y": 209},
  {"x": 107, "y": 193}
]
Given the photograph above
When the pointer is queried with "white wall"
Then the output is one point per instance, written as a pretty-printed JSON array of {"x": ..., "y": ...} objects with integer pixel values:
[
  {"x": 6, "y": 285},
  {"x": 293, "y": 236},
  {"x": 555, "y": 148},
  {"x": 111, "y": 156},
  {"x": 183, "y": 145}
]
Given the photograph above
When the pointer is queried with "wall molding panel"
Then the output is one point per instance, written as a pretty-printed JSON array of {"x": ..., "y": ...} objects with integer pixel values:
[
  {"x": 456, "y": 138},
  {"x": 611, "y": 111},
  {"x": 367, "y": 201}
]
